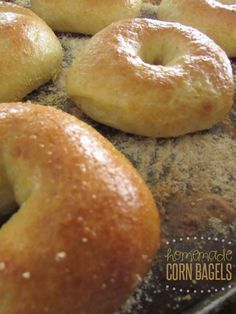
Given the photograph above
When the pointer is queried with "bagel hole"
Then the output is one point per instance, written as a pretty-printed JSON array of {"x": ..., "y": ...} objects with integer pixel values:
[
  {"x": 149, "y": 57},
  {"x": 163, "y": 48},
  {"x": 157, "y": 53},
  {"x": 156, "y": 61},
  {"x": 153, "y": 61},
  {"x": 7, "y": 212}
]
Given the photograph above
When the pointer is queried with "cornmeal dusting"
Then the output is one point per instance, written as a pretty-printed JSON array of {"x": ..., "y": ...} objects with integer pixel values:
[{"x": 203, "y": 162}]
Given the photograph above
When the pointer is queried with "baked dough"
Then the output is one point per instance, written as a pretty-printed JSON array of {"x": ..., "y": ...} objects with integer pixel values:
[
  {"x": 87, "y": 228},
  {"x": 84, "y": 16},
  {"x": 217, "y": 19},
  {"x": 30, "y": 53},
  {"x": 152, "y": 78}
]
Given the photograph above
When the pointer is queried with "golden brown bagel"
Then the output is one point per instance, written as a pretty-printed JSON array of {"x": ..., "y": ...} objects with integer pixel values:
[
  {"x": 85, "y": 16},
  {"x": 152, "y": 78},
  {"x": 30, "y": 53},
  {"x": 87, "y": 227},
  {"x": 217, "y": 19}
]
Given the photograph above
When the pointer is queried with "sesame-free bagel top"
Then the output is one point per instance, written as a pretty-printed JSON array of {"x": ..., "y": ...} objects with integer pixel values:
[
  {"x": 217, "y": 19},
  {"x": 87, "y": 227},
  {"x": 152, "y": 78},
  {"x": 84, "y": 16},
  {"x": 30, "y": 53}
]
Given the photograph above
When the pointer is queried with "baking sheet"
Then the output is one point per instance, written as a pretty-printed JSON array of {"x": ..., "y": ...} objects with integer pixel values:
[{"x": 193, "y": 180}]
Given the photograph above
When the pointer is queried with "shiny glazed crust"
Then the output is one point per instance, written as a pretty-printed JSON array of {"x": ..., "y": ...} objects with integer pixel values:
[
  {"x": 87, "y": 227},
  {"x": 84, "y": 16},
  {"x": 217, "y": 19},
  {"x": 30, "y": 53},
  {"x": 152, "y": 78}
]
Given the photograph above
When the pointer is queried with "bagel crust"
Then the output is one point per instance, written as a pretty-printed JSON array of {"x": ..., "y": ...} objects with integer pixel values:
[
  {"x": 152, "y": 78},
  {"x": 30, "y": 53},
  {"x": 87, "y": 227},
  {"x": 84, "y": 16},
  {"x": 217, "y": 19}
]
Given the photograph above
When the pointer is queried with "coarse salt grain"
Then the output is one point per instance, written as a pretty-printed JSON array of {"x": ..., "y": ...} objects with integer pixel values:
[
  {"x": 60, "y": 256},
  {"x": 26, "y": 275}
]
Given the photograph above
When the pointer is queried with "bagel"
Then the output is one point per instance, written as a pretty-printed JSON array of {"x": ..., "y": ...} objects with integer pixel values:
[
  {"x": 217, "y": 19},
  {"x": 85, "y": 16},
  {"x": 152, "y": 78},
  {"x": 87, "y": 227},
  {"x": 30, "y": 53}
]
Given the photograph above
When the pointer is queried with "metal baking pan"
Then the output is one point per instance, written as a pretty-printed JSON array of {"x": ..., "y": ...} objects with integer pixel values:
[{"x": 193, "y": 180}]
